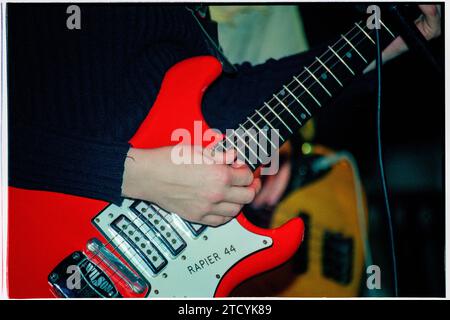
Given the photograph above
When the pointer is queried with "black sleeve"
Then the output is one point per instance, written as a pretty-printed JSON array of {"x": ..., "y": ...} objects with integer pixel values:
[
  {"x": 75, "y": 165},
  {"x": 234, "y": 96},
  {"x": 76, "y": 97}
]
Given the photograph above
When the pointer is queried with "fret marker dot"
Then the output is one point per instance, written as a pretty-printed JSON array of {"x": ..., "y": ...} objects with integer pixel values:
[
  {"x": 282, "y": 92},
  {"x": 324, "y": 76},
  {"x": 303, "y": 116},
  {"x": 348, "y": 54}
]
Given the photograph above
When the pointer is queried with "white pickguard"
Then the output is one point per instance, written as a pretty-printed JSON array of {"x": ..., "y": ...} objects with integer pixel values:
[{"x": 198, "y": 269}]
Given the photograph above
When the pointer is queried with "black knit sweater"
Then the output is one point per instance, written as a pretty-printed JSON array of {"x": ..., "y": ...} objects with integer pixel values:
[{"x": 76, "y": 97}]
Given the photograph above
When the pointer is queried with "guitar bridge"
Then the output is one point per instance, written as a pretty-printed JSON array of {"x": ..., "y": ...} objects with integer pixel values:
[
  {"x": 77, "y": 276},
  {"x": 166, "y": 251},
  {"x": 145, "y": 235}
]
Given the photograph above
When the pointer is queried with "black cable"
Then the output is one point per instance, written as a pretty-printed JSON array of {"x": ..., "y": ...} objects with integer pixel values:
[{"x": 381, "y": 165}]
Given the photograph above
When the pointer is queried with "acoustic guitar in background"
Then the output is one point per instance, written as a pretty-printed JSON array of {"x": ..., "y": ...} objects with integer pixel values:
[{"x": 325, "y": 192}]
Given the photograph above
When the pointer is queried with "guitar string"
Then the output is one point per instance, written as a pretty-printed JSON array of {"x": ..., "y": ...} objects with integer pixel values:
[
  {"x": 289, "y": 103},
  {"x": 292, "y": 81},
  {"x": 242, "y": 149},
  {"x": 360, "y": 31},
  {"x": 139, "y": 216}
]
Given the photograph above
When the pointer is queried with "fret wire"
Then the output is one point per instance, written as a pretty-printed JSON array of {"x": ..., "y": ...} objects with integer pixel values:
[
  {"x": 318, "y": 81},
  {"x": 220, "y": 144},
  {"x": 240, "y": 138},
  {"x": 309, "y": 92},
  {"x": 330, "y": 72},
  {"x": 264, "y": 134},
  {"x": 316, "y": 70},
  {"x": 341, "y": 48},
  {"x": 364, "y": 32},
  {"x": 242, "y": 154},
  {"x": 286, "y": 107},
  {"x": 388, "y": 30},
  {"x": 276, "y": 115},
  {"x": 329, "y": 60},
  {"x": 290, "y": 112},
  {"x": 251, "y": 136},
  {"x": 342, "y": 60},
  {"x": 324, "y": 66},
  {"x": 298, "y": 100},
  {"x": 362, "y": 57},
  {"x": 270, "y": 125}
]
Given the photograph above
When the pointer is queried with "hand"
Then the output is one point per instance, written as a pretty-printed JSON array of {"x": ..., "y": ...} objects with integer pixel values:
[
  {"x": 211, "y": 193},
  {"x": 273, "y": 186},
  {"x": 429, "y": 24}
]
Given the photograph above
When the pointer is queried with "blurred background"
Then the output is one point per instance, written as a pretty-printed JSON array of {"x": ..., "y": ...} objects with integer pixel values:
[{"x": 412, "y": 128}]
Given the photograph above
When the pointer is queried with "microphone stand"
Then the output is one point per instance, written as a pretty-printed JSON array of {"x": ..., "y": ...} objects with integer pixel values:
[{"x": 403, "y": 16}]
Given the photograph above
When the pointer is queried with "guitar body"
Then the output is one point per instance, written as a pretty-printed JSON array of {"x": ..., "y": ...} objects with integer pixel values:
[
  {"x": 46, "y": 227},
  {"x": 330, "y": 261}
]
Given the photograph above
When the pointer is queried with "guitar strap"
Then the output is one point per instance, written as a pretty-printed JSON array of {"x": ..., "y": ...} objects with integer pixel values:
[{"x": 201, "y": 12}]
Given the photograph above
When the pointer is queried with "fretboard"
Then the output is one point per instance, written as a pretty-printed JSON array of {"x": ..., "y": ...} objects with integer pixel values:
[{"x": 287, "y": 110}]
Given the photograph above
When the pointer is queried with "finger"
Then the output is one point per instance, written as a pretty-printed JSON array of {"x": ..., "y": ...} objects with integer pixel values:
[
  {"x": 273, "y": 187},
  {"x": 240, "y": 195},
  {"x": 257, "y": 172},
  {"x": 430, "y": 10},
  {"x": 256, "y": 185},
  {"x": 263, "y": 196},
  {"x": 241, "y": 176},
  {"x": 218, "y": 157},
  {"x": 238, "y": 163},
  {"x": 279, "y": 184},
  {"x": 431, "y": 17},
  {"x": 226, "y": 209},
  {"x": 215, "y": 220}
]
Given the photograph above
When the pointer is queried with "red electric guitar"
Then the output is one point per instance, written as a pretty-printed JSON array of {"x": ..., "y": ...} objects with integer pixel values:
[{"x": 70, "y": 246}]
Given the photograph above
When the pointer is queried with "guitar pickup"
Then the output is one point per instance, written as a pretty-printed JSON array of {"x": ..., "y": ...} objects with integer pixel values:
[
  {"x": 140, "y": 243},
  {"x": 158, "y": 221},
  {"x": 195, "y": 228},
  {"x": 337, "y": 258}
]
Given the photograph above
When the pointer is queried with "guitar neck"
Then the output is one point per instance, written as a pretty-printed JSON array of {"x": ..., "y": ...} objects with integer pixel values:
[{"x": 287, "y": 110}]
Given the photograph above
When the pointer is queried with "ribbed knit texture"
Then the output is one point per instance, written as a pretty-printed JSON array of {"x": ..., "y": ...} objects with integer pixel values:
[{"x": 76, "y": 97}]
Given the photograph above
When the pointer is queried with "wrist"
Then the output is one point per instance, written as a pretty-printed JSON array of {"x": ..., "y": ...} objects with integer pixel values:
[{"x": 134, "y": 168}]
